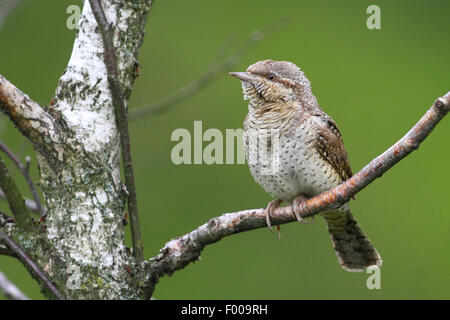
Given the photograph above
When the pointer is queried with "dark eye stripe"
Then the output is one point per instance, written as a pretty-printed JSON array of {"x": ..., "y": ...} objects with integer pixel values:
[
  {"x": 274, "y": 78},
  {"x": 284, "y": 82},
  {"x": 270, "y": 76}
]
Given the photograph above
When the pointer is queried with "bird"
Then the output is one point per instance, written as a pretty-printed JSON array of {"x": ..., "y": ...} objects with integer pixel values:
[{"x": 295, "y": 151}]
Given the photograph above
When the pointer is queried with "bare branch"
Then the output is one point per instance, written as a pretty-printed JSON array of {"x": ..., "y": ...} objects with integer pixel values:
[
  {"x": 34, "y": 269},
  {"x": 14, "y": 198},
  {"x": 24, "y": 169},
  {"x": 122, "y": 123},
  {"x": 30, "y": 204},
  {"x": 179, "y": 252},
  {"x": 207, "y": 78},
  {"x": 10, "y": 290},
  {"x": 4, "y": 219},
  {"x": 36, "y": 124},
  {"x": 27, "y": 163}
]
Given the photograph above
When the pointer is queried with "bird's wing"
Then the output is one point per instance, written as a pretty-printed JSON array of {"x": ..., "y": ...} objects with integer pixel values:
[{"x": 330, "y": 146}]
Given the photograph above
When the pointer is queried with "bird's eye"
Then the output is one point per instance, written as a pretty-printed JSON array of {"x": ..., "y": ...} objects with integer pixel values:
[{"x": 271, "y": 76}]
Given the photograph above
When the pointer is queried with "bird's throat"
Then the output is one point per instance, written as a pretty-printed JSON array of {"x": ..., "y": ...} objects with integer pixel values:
[{"x": 271, "y": 115}]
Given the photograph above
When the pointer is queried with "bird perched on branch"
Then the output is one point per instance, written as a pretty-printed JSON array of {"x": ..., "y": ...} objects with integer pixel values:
[{"x": 295, "y": 151}]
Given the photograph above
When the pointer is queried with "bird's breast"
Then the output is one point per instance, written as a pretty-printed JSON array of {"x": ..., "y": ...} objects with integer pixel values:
[{"x": 284, "y": 161}]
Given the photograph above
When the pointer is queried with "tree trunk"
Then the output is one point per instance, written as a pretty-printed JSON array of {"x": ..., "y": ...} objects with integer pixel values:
[{"x": 81, "y": 242}]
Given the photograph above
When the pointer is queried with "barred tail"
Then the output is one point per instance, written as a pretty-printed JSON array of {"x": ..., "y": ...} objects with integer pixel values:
[{"x": 353, "y": 249}]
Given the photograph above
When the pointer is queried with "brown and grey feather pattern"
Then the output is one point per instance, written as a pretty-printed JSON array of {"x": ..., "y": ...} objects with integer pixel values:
[
  {"x": 308, "y": 157},
  {"x": 331, "y": 147},
  {"x": 352, "y": 247}
]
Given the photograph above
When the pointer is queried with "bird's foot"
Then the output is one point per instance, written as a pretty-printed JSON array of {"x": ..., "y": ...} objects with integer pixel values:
[
  {"x": 296, "y": 204},
  {"x": 269, "y": 210}
]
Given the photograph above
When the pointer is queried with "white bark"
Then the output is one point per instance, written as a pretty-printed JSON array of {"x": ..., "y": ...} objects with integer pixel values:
[{"x": 81, "y": 244}]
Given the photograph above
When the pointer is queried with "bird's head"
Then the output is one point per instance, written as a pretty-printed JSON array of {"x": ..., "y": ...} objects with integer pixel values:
[{"x": 273, "y": 81}]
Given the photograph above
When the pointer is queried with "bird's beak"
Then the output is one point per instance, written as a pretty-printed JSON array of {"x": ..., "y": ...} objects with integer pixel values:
[{"x": 244, "y": 76}]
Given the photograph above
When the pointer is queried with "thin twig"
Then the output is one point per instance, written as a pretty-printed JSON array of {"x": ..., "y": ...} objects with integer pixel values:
[
  {"x": 30, "y": 204},
  {"x": 25, "y": 172},
  {"x": 122, "y": 123},
  {"x": 14, "y": 198},
  {"x": 214, "y": 72},
  {"x": 22, "y": 148},
  {"x": 6, "y": 10},
  {"x": 10, "y": 290},
  {"x": 26, "y": 260},
  {"x": 179, "y": 252},
  {"x": 4, "y": 220}
]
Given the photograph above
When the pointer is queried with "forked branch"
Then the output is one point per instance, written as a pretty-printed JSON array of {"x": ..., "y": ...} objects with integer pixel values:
[
  {"x": 33, "y": 121},
  {"x": 179, "y": 252},
  {"x": 30, "y": 204},
  {"x": 24, "y": 169},
  {"x": 31, "y": 265},
  {"x": 14, "y": 198}
]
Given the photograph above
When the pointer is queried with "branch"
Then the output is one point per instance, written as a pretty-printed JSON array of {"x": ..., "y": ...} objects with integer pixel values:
[
  {"x": 122, "y": 123},
  {"x": 26, "y": 260},
  {"x": 36, "y": 124},
  {"x": 30, "y": 204},
  {"x": 179, "y": 252},
  {"x": 14, "y": 198},
  {"x": 5, "y": 219},
  {"x": 24, "y": 169},
  {"x": 207, "y": 78},
  {"x": 10, "y": 290}
]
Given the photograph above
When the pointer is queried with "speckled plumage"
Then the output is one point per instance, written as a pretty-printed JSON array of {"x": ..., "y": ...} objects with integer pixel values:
[{"x": 295, "y": 149}]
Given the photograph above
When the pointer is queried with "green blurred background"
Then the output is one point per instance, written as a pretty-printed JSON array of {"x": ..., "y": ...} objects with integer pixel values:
[{"x": 375, "y": 83}]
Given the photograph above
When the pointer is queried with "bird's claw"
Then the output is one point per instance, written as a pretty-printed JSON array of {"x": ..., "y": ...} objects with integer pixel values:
[
  {"x": 269, "y": 210},
  {"x": 296, "y": 208}
]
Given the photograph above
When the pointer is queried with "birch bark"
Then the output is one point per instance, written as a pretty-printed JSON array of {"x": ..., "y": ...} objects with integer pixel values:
[{"x": 80, "y": 245}]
